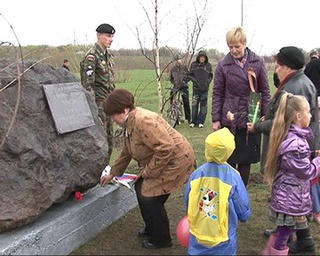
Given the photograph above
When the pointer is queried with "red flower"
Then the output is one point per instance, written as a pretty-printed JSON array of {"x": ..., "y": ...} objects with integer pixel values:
[{"x": 78, "y": 196}]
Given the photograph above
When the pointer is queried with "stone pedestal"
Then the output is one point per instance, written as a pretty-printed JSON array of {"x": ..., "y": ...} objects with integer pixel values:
[{"x": 66, "y": 226}]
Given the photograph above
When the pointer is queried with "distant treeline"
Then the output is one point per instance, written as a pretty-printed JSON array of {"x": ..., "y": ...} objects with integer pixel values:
[{"x": 125, "y": 59}]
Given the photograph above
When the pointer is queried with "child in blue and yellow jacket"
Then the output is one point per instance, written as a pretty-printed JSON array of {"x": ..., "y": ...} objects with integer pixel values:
[{"x": 216, "y": 199}]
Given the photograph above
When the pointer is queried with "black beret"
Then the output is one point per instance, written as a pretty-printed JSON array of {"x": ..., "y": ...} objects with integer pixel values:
[
  {"x": 105, "y": 28},
  {"x": 291, "y": 56}
]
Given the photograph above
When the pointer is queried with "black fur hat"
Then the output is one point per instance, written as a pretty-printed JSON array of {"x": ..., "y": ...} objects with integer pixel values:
[{"x": 291, "y": 56}]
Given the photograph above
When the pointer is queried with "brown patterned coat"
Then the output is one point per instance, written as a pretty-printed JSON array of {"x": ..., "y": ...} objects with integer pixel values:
[{"x": 159, "y": 149}]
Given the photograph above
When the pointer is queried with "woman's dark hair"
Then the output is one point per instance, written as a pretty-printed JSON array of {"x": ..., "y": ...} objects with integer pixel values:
[{"x": 117, "y": 101}]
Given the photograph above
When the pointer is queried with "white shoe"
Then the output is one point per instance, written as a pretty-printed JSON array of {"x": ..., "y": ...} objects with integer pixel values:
[
  {"x": 191, "y": 125},
  {"x": 201, "y": 126}
]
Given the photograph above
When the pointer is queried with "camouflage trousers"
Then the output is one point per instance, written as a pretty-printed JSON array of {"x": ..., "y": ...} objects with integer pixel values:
[{"x": 108, "y": 126}]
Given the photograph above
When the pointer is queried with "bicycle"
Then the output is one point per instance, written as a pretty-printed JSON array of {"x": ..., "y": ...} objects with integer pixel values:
[{"x": 173, "y": 107}]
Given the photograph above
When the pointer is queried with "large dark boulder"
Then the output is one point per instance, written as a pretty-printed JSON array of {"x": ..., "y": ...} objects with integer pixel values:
[{"x": 38, "y": 166}]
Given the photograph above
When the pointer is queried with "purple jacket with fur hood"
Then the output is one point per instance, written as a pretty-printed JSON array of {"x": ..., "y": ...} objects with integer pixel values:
[{"x": 292, "y": 184}]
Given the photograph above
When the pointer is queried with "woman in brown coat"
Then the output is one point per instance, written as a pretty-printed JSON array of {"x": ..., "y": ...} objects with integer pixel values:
[{"x": 165, "y": 156}]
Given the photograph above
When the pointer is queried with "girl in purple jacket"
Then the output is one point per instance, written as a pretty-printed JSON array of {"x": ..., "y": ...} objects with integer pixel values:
[{"x": 289, "y": 169}]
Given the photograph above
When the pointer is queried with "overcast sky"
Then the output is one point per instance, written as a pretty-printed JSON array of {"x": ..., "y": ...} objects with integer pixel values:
[{"x": 270, "y": 24}]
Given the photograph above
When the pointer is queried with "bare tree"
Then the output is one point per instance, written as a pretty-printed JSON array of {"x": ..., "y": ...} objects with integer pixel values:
[
  {"x": 155, "y": 59},
  {"x": 19, "y": 64},
  {"x": 193, "y": 33},
  {"x": 17, "y": 79},
  {"x": 192, "y": 36}
]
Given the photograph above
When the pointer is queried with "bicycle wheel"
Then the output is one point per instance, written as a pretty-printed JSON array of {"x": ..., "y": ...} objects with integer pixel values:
[
  {"x": 172, "y": 116},
  {"x": 180, "y": 113}
]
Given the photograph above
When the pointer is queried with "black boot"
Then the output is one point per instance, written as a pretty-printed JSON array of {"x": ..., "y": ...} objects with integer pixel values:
[
  {"x": 290, "y": 239},
  {"x": 304, "y": 242}
]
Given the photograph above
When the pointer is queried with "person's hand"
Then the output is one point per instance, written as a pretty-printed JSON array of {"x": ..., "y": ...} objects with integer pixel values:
[
  {"x": 216, "y": 126},
  {"x": 250, "y": 127},
  {"x": 317, "y": 153},
  {"x": 230, "y": 116},
  {"x": 106, "y": 179}
]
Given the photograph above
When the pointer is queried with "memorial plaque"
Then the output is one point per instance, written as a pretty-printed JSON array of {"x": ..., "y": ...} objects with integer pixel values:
[{"x": 69, "y": 107}]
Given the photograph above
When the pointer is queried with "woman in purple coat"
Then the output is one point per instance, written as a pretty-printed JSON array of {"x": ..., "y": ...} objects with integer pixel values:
[{"x": 231, "y": 94}]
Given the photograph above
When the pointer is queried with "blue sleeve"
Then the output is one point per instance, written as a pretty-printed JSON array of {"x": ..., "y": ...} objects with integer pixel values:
[{"x": 241, "y": 200}]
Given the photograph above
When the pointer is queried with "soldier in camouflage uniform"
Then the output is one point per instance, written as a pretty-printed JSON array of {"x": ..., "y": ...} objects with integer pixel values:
[{"x": 97, "y": 75}]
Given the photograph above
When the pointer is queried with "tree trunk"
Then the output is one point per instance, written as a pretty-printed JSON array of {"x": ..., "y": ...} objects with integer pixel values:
[{"x": 158, "y": 69}]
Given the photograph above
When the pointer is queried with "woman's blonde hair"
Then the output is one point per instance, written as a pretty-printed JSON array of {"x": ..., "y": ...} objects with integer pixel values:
[
  {"x": 236, "y": 35},
  {"x": 289, "y": 106}
]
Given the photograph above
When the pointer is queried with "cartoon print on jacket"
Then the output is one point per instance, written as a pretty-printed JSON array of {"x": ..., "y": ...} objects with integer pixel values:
[{"x": 208, "y": 203}]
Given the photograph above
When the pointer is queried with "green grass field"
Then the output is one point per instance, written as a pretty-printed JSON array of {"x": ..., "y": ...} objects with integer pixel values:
[
  {"x": 143, "y": 85},
  {"x": 250, "y": 234},
  {"x": 146, "y": 96}
]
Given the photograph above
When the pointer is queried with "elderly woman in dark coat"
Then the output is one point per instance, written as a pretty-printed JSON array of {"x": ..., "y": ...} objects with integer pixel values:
[{"x": 231, "y": 93}]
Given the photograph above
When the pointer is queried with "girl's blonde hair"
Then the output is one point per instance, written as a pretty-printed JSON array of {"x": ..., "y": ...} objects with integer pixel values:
[
  {"x": 289, "y": 106},
  {"x": 236, "y": 35}
]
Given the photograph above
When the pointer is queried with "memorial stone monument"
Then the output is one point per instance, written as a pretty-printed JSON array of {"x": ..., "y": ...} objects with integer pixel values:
[{"x": 49, "y": 149}]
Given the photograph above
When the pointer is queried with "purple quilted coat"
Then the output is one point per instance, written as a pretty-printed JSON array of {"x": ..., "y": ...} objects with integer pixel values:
[{"x": 231, "y": 89}]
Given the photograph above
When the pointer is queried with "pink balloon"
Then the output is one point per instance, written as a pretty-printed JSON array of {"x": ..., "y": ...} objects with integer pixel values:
[{"x": 182, "y": 231}]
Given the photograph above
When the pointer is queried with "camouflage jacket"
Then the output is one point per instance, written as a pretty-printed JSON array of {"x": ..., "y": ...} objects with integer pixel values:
[{"x": 96, "y": 71}]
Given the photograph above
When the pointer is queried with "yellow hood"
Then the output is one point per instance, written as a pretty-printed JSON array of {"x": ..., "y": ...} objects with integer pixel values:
[{"x": 219, "y": 146}]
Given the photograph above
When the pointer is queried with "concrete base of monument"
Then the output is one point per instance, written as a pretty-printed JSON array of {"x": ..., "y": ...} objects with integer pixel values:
[{"x": 66, "y": 226}]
